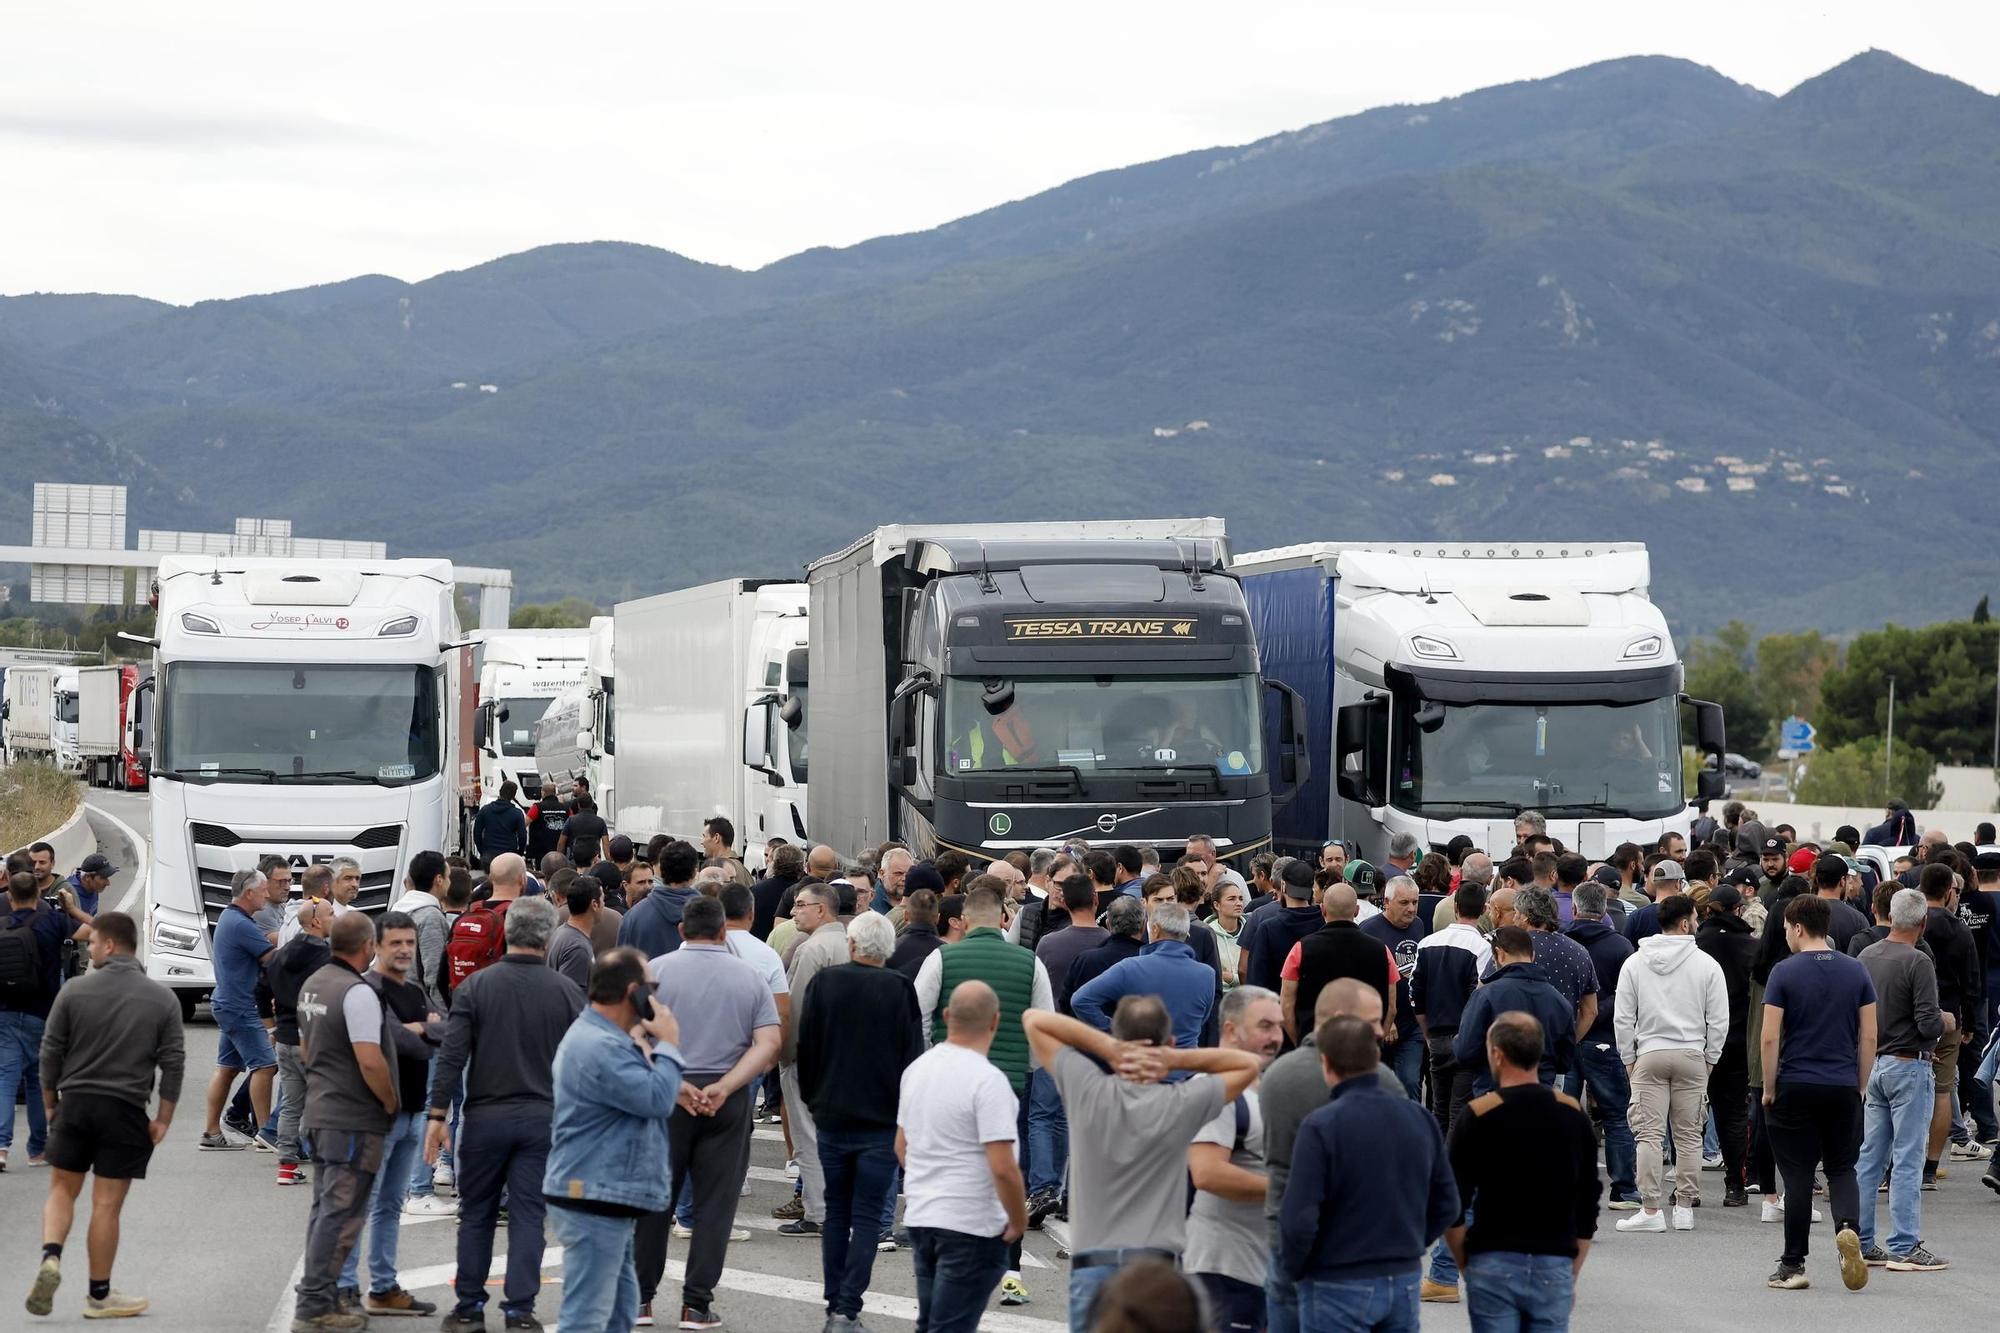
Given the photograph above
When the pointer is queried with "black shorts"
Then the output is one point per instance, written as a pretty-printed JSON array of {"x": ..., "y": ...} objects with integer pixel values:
[{"x": 105, "y": 1135}]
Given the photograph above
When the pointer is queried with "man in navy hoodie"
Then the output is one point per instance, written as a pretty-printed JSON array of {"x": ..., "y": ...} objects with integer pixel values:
[
  {"x": 653, "y": 925},
  {"x": 1597, "y": 1059},
  {"x": 1370, "y": 1188},
  {"x": 1518, "y": 985}
]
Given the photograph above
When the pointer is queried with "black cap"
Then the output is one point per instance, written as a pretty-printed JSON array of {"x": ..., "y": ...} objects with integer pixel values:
[
  {"x": 1743, "y": 875},
  {"x": 1986, "y": 863},
  {"x": 1773, "y": 847},
  {"x": 1298, "y": 875},
  {"x": 1607, "y": 876},
  {"x": 1725, "y": 899},
  {"x": 620, "y": 848},
  {"x": 97, "y": 863},
  {"x": 922, "y": 875}
]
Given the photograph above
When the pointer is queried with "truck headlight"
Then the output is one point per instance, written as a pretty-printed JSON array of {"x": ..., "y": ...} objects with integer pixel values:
[
  {"x": 1647, "y": 647},
  {"x": 195, "y": 624},
  {"x": 397, "y": 628},
  {"x": 1424, "y": 646},
  {"x": 178, "y": 938}
]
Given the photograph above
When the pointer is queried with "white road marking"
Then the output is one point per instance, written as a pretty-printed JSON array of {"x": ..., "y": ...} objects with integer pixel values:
[
  {"x": 143, "y": 855},
  {"x": 281, "y": 1313}
]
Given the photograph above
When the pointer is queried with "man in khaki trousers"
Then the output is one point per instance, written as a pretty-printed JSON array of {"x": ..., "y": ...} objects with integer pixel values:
[{"x": 1671, "y": 1021}]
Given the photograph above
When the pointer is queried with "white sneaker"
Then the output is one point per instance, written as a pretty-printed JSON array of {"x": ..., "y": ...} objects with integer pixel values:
[
  {"x": 745, "y": 1191},
  {"x": 1773, "y": 1210},
  {"x": 737, "y": 1235},
  {"x": 430, "y": 1205},
  {"x": 1646, "y": 1219},
  {"x": 792, "y": 1169},
  {"x": 683, "y": 1233},
  {"x": 442, "y": 1175},
  {"x": 1683, "y": 1218}
]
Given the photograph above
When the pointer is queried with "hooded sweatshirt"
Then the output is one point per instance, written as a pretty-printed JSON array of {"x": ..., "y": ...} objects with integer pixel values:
[
  {"x": 1671, "y": 997},
  {"x": 433, "y": 934}
]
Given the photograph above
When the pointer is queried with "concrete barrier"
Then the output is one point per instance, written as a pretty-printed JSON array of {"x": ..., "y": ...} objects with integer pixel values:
[{"x": 73, "y": 841}]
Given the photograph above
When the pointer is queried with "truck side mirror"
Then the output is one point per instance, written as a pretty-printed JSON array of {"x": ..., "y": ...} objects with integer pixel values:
[
  {"x": 1709, "y": 785},
  {"x": 480, "y": 729},
  {"x": 585, "y": 739},
  {"x": 1711, "y": 735},
  {"x": 1358, "y": 763},
  {"x": 756, "y": 730},
  {"x": 1294, "y": 761}
]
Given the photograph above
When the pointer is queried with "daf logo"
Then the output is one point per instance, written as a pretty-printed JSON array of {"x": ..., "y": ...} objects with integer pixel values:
[
  {"x": 299, "y": 860},
  {"x": 1107, "y": 822}
]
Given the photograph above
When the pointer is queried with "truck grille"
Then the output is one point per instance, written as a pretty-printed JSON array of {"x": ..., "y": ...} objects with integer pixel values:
[
  {"x": 215, "y": 870},
  {"x": 212, "y": 835}
]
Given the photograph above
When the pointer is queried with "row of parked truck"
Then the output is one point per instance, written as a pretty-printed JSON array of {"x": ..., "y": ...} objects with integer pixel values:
[
  {"x": 92, "y": 721},
  {"x": 984, "y": 687}
]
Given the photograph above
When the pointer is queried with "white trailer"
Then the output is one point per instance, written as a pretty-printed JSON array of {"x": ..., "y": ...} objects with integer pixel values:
[
  {"x": 712, "y": 695},
  {"x": 30, "y": 714},
  {"x": 307, "y": 708},
  {"x": 575, "y": 737}
]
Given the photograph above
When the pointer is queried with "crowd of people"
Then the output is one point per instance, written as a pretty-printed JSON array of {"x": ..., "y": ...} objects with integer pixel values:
[{"x": 1312, "y": 1094}]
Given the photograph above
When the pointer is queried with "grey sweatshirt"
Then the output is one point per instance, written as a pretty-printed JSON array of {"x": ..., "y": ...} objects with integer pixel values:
[
  {"x": 1907, "y": 1018},
  {"x": 111, "y": 1030}
]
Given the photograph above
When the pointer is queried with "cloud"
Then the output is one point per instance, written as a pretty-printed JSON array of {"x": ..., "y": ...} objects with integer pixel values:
[{"x": 174, "y": 128}]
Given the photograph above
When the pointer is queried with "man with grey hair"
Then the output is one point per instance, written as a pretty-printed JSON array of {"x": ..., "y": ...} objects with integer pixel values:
[
  {"x": 346, "y": 885},
  {"x": 1226, "y": 1246},
  {"x": 507, "y": 1020},
  {"x": 859, "y": 1028},
  {"x": 1896, "y": 1110},
  {"x": 822, "y": 944},
  {"x": 1404, "y": 849},
  {"x": 1597, "y": 1060},
  {"x": 1167, "y": 968},
  {"x": 1476, "y": 868},
  {"x": 1568, "y": 963},
  {"x": 1041, "y": 910},
  {"x": 1530, "y": 823},
  {"x": 1399, "y": 928}
]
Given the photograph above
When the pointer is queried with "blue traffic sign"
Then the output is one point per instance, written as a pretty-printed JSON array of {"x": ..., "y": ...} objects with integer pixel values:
[{"x": 1796, "y": 734}]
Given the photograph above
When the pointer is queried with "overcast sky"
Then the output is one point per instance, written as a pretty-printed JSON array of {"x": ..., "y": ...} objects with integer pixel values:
[{"x": 206, "y": 148}]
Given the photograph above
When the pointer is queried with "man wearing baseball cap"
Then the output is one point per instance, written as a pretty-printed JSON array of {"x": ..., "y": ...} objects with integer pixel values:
[
  {"x": 1772, "y": 862},
  {"x": 92, "y": 878},
  {"x": 1663, "y": 880}
]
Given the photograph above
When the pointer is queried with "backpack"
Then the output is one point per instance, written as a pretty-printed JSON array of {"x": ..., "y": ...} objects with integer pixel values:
[
  {"x": 22, "y": 981},
  {"x": 478, "y": 938}
]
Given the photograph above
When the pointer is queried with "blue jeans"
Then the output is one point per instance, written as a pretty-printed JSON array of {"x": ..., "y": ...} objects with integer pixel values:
[
  {"x": 1365, "y": 1305},
  {"x": 1281, "y": 1298},
  {"x": 423, "y": 1175},
  {"x": 1599, "y": 1065},
  {"x": 1083, "y": 1285},
  {"x": 860, "y": 1168},
  {"x": 956, "y": 1275},
  {"x": 501, "y": 1154},
  {"x": 1518, "y": 1293},
  {"x": 1896, "y": 1122},
  {"x": 400, "y": 1148},
  {"x": 1234, "y": 1306},
  {"x": 600, "y": 1284},
  {"x": 1406, "y": 1057},
  {"x": 21, "y": 1058},
  {"x": 1048, "y": 1134}
]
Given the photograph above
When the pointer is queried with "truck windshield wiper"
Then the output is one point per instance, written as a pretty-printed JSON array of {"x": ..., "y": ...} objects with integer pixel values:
[
  {"x": 1070, "y": 771},
  {"x": 1590, "y": 808},
  {"x": 269, "y": 775},
  {"x": 1511, "y": 807},
  {"x": 331, "y": 774}
]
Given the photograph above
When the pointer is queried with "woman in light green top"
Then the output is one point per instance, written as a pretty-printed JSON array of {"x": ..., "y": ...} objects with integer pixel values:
[{"x": 1227, "y": 927}]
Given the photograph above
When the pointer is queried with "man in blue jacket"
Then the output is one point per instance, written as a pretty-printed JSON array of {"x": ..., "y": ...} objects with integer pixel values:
[
  {"x": 617, "y": 1074},
  {"x": 1272, "y": 932},
  {"x": 1167, "y": 968},
  {"x": 1518, "y": 985},
  {"x": 500, "y": 826},
  {"x": 1370, "y": 1188}
]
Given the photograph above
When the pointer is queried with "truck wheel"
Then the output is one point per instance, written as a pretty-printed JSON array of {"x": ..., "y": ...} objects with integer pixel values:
[{"x": 189, "y": 999}]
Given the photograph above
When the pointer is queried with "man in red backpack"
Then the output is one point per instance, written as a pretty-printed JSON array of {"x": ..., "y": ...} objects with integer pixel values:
[{"x": 477, "y": 940}]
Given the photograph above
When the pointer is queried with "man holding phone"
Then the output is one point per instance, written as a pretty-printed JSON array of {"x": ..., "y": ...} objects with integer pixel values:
[{"x": 730, "y": 1035}]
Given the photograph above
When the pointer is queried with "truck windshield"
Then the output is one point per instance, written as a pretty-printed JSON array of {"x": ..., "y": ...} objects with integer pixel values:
[
  {"x": 1105, "y": 722},
  {"x": 1581, "y": 758},
  {"x": 517, "y": 733},
  {"x": 66, "y": 707},
  {"x": 274, "y": 722}
]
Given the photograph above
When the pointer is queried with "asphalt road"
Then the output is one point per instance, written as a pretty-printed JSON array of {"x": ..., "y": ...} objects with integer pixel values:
[{"x": 215, "y": 1245}]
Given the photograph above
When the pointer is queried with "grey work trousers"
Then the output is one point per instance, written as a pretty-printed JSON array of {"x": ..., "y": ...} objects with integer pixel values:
[
  {"x": 348, "y": 1161},
  {"x": 291, "y": 1101},
  {"x": 805, "y": 1145}
]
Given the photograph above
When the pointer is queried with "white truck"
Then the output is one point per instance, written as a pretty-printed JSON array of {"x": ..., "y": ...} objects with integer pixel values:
[
  {"x": 32, "y": 726},
  {"x": 68, "y": 757},
  {"x": 712, "y": 697},
  {"x": 1451, "y": 685},
  {"x": 576, "y": 736},
  {"x": 521, "y": 671},
  {"x": 307, "y": 708}
]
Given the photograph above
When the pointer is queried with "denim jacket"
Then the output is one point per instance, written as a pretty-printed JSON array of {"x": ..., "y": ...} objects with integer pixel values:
[{"x": 609, "y": 1137}]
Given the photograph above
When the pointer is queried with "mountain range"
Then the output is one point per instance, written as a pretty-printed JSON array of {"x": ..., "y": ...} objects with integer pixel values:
[{"x": 1635, "y": 301}]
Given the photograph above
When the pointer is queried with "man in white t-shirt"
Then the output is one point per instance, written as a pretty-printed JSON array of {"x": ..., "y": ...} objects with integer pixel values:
[
  {"x": 964, "y": 1200},
  {"x": 1228, "y": 1250}
]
